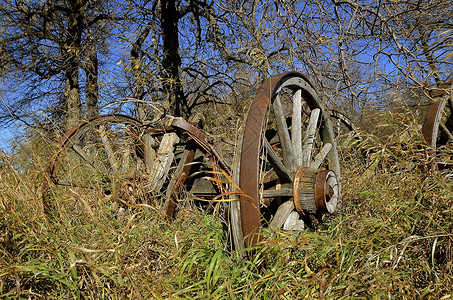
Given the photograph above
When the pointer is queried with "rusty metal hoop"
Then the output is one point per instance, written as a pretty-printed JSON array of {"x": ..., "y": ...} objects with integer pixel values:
[
  {"x": 99, "y": 157},
  {"x": 281, "y": 134},
  {"x": 438, "y": 126},
  {"x": 341, "y": 124},
  {"x": 117, "y": 156}
]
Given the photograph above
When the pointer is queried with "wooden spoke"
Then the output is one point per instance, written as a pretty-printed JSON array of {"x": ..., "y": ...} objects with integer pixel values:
[
  {"x": 321, "y": 156},
  {"x": 282, "y": 215},
  {"x": 309, "y": 137},
  {"x": 126, "y": 158},
  {"x": 108, "y": 149},
  {"x": 283, "y": 133},
  {"x": 281, "y": 171},
  {"x": 285, "y": 191},
  {"x": 296, "y": 128},
  {"x": 82, "y": 154},
  {"x": 445, "y": 132},
  {"x": 150, "y": 153},
  {"x": 163, "y": 161}
]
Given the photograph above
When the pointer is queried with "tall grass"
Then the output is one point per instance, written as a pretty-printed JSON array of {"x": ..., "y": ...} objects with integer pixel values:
[{"x": 392, "y": 238}]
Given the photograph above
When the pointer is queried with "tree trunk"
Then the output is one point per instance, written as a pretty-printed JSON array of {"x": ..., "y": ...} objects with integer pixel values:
[
  {"x": 171, "y": 61},
  {"x": 91, "y": 73},
  {"x": 72, "y": 50},
  {"x": 136, "y": 61},
  {"x": 72, "y": 98}
]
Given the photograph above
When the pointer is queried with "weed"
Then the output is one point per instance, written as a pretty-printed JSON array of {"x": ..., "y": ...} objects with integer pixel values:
[{"x": 393, "y": 238}]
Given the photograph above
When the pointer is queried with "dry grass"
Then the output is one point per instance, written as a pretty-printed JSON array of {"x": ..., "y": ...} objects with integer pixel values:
[{"x": 393, "y": 238}]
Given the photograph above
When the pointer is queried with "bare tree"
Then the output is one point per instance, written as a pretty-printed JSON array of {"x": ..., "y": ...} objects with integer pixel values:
[
  {"x": 192, "y": 52},
  {"x": 398, "y": 38},
  {"x": 44, "y": 46}
]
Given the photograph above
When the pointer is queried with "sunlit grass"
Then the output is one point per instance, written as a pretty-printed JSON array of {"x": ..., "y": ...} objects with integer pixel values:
[{"x": 392, "y": 238}]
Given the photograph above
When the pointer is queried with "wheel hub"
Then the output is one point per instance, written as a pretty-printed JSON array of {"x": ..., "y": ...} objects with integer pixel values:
[{"x": 315, "y": 191}]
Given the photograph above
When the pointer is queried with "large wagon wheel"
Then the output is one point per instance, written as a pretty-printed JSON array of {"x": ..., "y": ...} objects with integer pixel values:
[
  {"x": 115, "y": 157},
  {"x": 289, "y": 166},
  {"x": 438, "y": 126},
  {"x": 105, "y": 158},
  {"x": 93, "y": 160}
]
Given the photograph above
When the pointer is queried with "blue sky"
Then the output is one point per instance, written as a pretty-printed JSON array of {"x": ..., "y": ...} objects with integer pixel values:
[{"x": 5, "y": 136}]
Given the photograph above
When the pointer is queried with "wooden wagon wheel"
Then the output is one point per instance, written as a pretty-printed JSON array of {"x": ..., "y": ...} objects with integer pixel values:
[
  {"x": 289, "y": 164},
  {"x": 438, "y": 126},
  {"x": 93, "y": 160},
  {"x": 117, "y": 157}
]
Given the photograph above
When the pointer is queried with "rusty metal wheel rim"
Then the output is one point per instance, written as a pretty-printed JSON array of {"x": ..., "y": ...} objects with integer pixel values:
[
  {"x": 66, "y": 142},
  {"x": 252, "y": 144},
  {"x": 438, "y": 126},
  {"x": 344, "y": 129},
  {"x": 142, "y": 183},
  {"x": 78, "y": 171}
]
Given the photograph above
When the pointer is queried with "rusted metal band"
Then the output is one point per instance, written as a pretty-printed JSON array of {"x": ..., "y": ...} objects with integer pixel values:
[
  {"x": 433, "y": 115},
  {"x": 62, "y": 143},
  {"x": 320, "y": 192},
  {"x": 204, "y": 141},
  {"x": 251, "y": 143}
]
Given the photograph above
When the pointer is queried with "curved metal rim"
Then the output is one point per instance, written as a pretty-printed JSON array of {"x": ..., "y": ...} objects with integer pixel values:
[
  {"x": 335, "y": 114},
  {"x": 433, "y": 116},
  {"x": 64, "y": 140},
  {"x": 321, "y": 192},
  {"x": 60, "y": 149},
  {"x": 251, "y": 142}
]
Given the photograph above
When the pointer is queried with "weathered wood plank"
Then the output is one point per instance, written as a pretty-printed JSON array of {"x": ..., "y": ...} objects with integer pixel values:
[
  {"x": 150, "y": 153},
  {"x": 162, "y": 163}
]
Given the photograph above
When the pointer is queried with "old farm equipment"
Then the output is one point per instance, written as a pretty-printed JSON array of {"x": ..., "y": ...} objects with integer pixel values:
[
  {"x": 133, "y": 163},
  {"x": 287, "y": 167},
  {"x": 438, "y": 126}
]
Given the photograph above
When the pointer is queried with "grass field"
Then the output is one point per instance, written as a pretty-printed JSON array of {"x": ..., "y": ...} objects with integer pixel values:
[{"x": 391, "y": 239}]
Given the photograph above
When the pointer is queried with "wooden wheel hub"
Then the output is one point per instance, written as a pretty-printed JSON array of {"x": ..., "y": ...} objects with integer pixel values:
[{"x": 315, "y": 191}]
